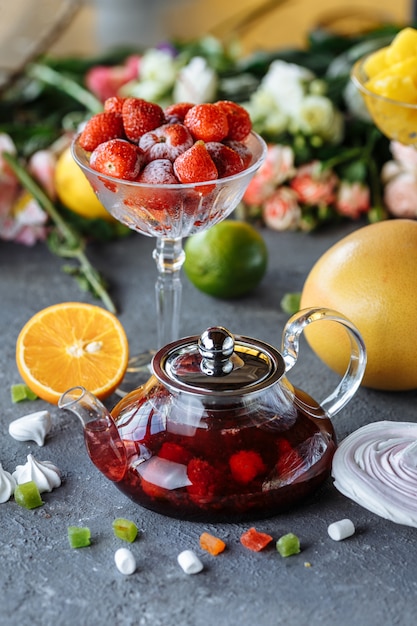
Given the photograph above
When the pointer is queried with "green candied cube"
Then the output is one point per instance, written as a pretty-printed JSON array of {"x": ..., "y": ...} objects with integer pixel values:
[
  {"x": 79, "y": 536},
  {"x": 125, "y": 529},
  {"x": 21, "y": 392},
  {"x": 27, "y": 495},
  {"x": 288, "y": 544}
]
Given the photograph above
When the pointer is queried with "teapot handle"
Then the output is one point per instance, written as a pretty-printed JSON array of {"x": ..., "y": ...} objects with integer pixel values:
[{"x": 356, "y": 367}]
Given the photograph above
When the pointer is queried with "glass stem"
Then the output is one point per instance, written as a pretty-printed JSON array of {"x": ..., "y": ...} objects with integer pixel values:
[{"x": 169, "y": 257}]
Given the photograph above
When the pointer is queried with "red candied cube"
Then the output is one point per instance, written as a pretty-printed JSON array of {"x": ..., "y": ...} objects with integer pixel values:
[{"x": 254, "y": 540}]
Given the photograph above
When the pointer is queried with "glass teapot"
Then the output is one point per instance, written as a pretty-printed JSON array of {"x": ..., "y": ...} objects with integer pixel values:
[{"x": 218, "y": 432}]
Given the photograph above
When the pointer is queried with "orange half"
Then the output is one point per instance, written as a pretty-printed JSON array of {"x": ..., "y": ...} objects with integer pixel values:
[{"x": 69, "y": 344}]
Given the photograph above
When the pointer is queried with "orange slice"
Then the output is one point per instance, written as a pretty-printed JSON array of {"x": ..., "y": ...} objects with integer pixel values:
[{"x": 71, "y": 344}]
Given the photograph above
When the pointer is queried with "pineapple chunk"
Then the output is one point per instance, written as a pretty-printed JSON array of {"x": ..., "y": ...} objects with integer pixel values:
[
  {"x": 376, "y": 62},
  {"x": 398, "y": 82},
  {"x": 403, "y": 45}
]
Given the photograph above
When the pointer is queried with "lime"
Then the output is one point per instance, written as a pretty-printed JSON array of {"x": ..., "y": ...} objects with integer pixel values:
[{"x": 226, "y": 261}]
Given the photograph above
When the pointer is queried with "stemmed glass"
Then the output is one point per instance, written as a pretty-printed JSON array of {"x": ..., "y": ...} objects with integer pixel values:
[
  {"x": 396, "y": 119},
  {"x": 170, "y": 213}
]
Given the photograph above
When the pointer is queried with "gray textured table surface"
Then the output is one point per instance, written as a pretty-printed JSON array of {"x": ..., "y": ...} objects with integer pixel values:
[{"x": 369, "y": 579}]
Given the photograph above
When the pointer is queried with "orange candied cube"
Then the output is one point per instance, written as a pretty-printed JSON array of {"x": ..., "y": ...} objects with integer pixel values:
[
  {"x": 212, "y": 544},
  {"x": 254, "y": 540}
]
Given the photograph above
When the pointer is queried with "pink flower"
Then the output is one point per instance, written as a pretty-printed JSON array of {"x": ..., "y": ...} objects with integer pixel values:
[
  {"x": 406, "y": 155},
  {"x": 26, "y": 223},
  {"x": 6, "y": 145},
  {"x": 277, "y": 168},
  {"x": 353, "y": 199},
  {"x": 400, "y": 195},
  {"x": 258, "y": 191},
  {"x": 9, "y": 190},
  {"x": 9, "y": 185},
  {"x": 42, "y": 167},
  {"x": 105, "y": 81},
  {"x": 313, "y": 186},
  {"x": 281, "y": 211}
]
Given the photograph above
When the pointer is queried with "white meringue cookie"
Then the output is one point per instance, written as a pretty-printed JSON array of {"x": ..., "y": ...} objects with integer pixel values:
[
  {"x": 45, "y": 474},
  {"x": 7, "y": 485},
  {"x": 31, "y": 427},
  {"x": 376, "y": 467}
]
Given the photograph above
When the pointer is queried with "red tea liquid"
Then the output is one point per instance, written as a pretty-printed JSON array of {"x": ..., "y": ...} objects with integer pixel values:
[{"x": 233, "y": 465}]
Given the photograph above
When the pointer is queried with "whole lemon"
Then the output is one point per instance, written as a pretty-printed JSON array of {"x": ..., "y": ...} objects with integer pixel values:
[
  {"x": 74, "y": 190},
  {"x": 226, "y": 261},
  {"x": 371, "y": 277}
]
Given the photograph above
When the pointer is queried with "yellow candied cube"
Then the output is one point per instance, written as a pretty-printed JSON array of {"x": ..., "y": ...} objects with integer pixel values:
[
  {"x": 403, "y": 45},
  {"x": 376, "y": 62}
]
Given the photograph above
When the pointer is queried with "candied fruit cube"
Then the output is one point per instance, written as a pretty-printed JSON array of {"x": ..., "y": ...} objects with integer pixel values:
[
  {"x": 255, "y": 540},
  {"x": 79, "y": 536},
  {"x": 125, "y": 529},
  {"x": 288, "y": 544},
  {"x": 27, "y": 495},
  {"x": 212, "y": 544}
]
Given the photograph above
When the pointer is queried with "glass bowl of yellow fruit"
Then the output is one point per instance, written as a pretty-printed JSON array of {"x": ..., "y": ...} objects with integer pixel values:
[{"x": 387, "y": 80}]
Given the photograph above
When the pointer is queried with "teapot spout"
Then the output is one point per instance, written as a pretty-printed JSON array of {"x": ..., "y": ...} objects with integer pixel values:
[{"x": 102, "y": 440}]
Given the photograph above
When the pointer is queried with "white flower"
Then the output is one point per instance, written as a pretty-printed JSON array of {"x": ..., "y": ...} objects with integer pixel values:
[
  {"x": 196, "y": 82},
  {"x": 265, "y": 113},
  {"x": 286, "y": 82},
  {"x": 157, "y": 75},
  {"x": 317, "y": 116}
]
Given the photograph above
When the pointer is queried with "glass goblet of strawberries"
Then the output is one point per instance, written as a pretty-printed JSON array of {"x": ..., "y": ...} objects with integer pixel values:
[{"x": 169, "y": 173}]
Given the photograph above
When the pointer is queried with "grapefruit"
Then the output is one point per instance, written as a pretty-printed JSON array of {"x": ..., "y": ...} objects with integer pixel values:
[{"x": 371, "y": 277}]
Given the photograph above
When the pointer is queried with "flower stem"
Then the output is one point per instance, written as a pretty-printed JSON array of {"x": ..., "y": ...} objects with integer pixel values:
[
  {"x": 69, "y": 243},
  {"x": 69, "y": 86}
]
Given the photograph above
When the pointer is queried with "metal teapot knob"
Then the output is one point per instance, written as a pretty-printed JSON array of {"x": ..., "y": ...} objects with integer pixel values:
[{"x": 216, "y": 347}]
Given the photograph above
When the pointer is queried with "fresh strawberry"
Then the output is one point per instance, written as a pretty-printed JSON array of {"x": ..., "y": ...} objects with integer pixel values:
[
  {"x": 195, "y": 165},
  {"x": 207, "y": 122},
  {"x": 242, "y": 150},
  {"x": 166, "y": 142},
  {"x": 238, "y": 119},
  {"x": 246, "y": 465},
  {"x": 175, "y": 113},
  {"x": 158, "y": 172},
  {"x": 227, "y": 161},
  {"x": 114, "y": 104},
  {"x": 141, "y": 116},
  {"x": 117, "y": 158},
  {"x": 100, "y": 128},
  {"x": 205, "y": 479}
]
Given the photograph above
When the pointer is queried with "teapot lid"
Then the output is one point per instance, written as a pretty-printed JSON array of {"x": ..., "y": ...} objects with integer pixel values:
[{"x": 218, "y": 363}]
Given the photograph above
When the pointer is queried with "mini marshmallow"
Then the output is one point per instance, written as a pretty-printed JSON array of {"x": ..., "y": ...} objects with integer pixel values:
[
  {"x": 341, "y": 530},
  {"x": 189, "y": 562},
  {"x": 125, "y": 561}
]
